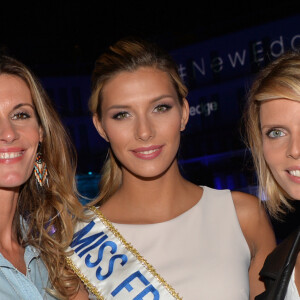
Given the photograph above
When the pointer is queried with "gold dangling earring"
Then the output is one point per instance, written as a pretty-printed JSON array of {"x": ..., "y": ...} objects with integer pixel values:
[{"x": 40, "y": 168}]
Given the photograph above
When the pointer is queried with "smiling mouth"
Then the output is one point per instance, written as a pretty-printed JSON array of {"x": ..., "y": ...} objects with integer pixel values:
[
  {"x": 10, "y": 155},
  {"x": 295, "y": 173},
  {"x": 148, "y": 151}
]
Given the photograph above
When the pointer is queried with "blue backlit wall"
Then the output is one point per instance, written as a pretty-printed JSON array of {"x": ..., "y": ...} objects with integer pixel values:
[{"x": 218, "y": 73}]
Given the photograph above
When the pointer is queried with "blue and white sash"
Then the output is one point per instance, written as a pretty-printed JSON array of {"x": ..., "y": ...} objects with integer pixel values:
[{"x": 110, "y": 267}]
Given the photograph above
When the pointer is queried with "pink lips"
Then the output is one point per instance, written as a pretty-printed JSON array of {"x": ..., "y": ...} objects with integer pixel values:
[
  {"x": 295, "y": 179},
  {"x": 148, "y": 153},
  {"x": 6, "y": 156}
]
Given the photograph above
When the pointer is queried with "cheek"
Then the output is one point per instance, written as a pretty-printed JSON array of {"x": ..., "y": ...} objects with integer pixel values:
[
  {"x": 118, "y": 137},
  {"x": 172, "y": 124},
  {"x": 173, "y": 131},
  {"x": 272, "y": 158},
  {"x": 32, "y": 155},
  {"x": 269, "y": 153},
  {"x": 34, "y": 136},
  {"x": 274, "y": 151}
]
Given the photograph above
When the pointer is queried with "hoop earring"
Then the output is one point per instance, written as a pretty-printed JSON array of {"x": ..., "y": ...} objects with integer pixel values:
[{"x": 40, "y": 169}]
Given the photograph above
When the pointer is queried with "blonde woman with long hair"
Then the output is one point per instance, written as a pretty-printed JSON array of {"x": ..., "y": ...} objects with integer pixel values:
[{"x": 272, "y": 119}]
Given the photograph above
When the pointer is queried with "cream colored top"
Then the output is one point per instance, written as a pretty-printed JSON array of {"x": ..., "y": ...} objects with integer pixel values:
[
  {"x": 292, "y": 292},
  {"x": 202, "y": 253}
]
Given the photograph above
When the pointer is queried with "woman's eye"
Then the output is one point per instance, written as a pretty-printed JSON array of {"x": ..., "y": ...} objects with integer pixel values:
[
  {"x": 20, "y": 116},
  {"x": 162, "y": 108},
  {"x": 121, "y": 115},
  {"x": 274, "y": 133}
]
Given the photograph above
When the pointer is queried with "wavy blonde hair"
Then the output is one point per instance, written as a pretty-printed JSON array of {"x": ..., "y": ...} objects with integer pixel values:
[
  {"x": 51, "y": 211},
  {"x": 279, "y": 79},
  {"x": 128, "y": 54}
]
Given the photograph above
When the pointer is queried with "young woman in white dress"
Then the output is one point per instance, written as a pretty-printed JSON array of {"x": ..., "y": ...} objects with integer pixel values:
[{"x": 201, "y": 243}]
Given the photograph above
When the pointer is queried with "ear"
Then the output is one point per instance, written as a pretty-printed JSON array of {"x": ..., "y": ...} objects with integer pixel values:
[
  {"x": 99, "y": 127},
  {"x": 185, "y": 114}
]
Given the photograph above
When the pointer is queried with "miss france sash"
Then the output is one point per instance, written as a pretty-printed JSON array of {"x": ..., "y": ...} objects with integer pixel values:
[{"x": 110, "y": 267}]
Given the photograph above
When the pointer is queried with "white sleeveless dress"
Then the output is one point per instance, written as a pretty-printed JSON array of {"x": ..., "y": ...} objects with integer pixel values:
[{"x": 202, "y": 253}]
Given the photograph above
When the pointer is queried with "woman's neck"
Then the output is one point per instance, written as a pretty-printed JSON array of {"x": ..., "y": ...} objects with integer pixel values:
[
  {"x": 9, "y": 246},
  {"x": 144, "y": 201},
  {"x": 8, "y": 204}
]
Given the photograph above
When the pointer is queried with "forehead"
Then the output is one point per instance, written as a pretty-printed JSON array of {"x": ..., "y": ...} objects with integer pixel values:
[
  {"x": 141, "y": 82},
  {"x": 14, "y": 89},
  {"x": 280, "y": 109}
]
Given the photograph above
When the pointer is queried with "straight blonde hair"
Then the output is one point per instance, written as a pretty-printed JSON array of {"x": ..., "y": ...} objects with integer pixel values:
[{"x": 279, "y": 79}]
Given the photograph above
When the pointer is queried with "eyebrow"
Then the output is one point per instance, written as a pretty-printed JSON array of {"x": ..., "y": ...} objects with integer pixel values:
[
  {"x": 152, "y": 101},
  {"x": 23, "y": 104},
  {"x": 275, "y": 125}
]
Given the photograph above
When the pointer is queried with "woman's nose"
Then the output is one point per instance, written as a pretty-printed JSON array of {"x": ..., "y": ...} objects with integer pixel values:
[
  {"x": 144, "y": 129},
  {"x": 294, "y": 147},
  {"x": 8, "y": 132}
]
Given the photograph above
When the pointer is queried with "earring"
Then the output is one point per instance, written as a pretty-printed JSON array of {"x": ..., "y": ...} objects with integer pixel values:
[{"x": 40, "y": 169}]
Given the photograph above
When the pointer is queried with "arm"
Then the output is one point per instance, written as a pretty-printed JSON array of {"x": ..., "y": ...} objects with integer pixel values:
[{"x": 258, "y": 233}]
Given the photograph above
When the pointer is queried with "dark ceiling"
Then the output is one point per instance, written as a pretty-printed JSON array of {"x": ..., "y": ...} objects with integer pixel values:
[{"x": 64, "y": 38}]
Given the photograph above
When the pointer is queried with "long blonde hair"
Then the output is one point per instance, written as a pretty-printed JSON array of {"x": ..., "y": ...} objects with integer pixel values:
[
  {"x": 50, "y": 211},
  {"x": 279, "y": 79},
  {"x": 127, "y": 54}
]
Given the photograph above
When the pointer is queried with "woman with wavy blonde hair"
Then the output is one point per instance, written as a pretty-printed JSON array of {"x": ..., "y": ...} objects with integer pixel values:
[
  {"x": 272, "y": 119},
  {"x": 39, "y": 204}
]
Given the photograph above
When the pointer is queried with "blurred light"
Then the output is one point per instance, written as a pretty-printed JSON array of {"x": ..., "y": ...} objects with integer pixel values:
[{"x": 218, "y": 182}]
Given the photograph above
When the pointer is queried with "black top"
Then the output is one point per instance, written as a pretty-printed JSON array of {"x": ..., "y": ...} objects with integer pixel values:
[{"x": 278, "y": 267}]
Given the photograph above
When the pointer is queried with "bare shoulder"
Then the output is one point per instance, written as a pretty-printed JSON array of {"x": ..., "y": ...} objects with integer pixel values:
[
  {"x": 247, "y": 205},
  {"x": 259, "y": 234},
  {"x": 254, "y": 221}
]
